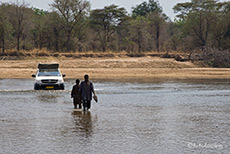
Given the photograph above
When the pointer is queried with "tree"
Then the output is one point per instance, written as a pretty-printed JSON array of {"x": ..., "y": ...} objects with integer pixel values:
[
  {"x": 54, "y": 22},
  {"x": 18, "y": 20},
  {"x": 139, "y": 33},
  {"x": 105, "y": 22},
  {"x": 72, "y": 11},
  {"x": 157, "y": 20},
  {"x": 199, "y": 16},
  {"x": 221, "y": 26},
  {"x": 124, "y": 41},
  {"x": 4, "y": 26},
  {"x": 145, "y": 8},
  {"x": 153, "y": 11},
  {"x": 39, "y": 26}
]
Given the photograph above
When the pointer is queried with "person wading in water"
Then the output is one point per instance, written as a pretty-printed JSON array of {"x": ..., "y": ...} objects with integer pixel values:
[
  {"x": 75, "y": 94},
  {"x": 86, "y": 90}
]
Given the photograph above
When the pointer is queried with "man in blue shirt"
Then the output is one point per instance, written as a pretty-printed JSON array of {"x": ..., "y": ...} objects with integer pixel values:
[{"x": 86, "y": 90}]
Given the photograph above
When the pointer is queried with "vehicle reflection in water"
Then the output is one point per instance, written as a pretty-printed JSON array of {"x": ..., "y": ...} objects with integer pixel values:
[
  {"x": 47, "y": 98},
  {"x": 83, "y": 123}
]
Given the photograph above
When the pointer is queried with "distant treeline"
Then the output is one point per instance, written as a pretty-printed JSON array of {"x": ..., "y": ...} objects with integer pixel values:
[{"x": 72, "y": 26}]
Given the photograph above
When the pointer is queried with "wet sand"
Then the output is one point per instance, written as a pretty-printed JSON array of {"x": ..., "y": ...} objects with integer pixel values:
[{"x": 144, "y": 68}]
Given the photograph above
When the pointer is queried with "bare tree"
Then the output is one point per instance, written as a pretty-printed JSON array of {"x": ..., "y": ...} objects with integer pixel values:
[
  {"x": 157, "y": 19},
  {"x": 72, "y": 11},
  {"x": 19, "y": 21},
  {"x": 3, "y": 26}
]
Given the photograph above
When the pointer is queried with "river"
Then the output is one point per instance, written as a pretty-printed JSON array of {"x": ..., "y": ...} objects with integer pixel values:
[{"x": 165, "y": 117}]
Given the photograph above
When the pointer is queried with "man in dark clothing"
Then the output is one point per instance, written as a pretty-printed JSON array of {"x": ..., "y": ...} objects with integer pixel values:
[
  {"x": 86, "y": 90},
  {"x": 75, "y": 94}
]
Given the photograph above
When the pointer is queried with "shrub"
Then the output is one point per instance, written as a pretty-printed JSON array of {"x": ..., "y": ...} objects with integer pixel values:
[
  {"x": 135, "y": 54},
  {"x": 213, "y": 57},
  {"x": 43, "y": 53},
  {"x": 15, "y": 53}
]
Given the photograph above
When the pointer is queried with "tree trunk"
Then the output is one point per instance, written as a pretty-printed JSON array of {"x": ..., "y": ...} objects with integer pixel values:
[
  {"x": 18, "y": 42},
  {"x": 3, "y": 45},
  {"x": 40, "y": 41},
  {"x": 139, "y": 40},
  {"x": 203, "y": 42},
  {"x": 56, "y": 39},
  {"x": 103, "y": 40},
  {"x": 104, "y": 48},
  {"x": 68, "y": 40},
  {"x": 157, "y": 37},
  {"x": 67, "y": 43},
  {"x": 105, "y": 44},
  {"x": 57, "y": 44},
  {"x": 40, "y": 46}
]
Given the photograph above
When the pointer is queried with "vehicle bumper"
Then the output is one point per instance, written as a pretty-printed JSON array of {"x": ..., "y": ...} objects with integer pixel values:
[{"x": 49, "y": 86}]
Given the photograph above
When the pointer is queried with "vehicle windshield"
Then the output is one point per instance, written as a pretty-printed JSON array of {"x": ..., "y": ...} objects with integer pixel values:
[{"x": 47, "y": 72}]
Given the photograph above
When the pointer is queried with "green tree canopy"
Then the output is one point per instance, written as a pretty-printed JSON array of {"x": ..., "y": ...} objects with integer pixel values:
[
  {"x": 199, "y": 17},
  {"x": 106, "y": 21},
  {"x": 145, "y": 8}
]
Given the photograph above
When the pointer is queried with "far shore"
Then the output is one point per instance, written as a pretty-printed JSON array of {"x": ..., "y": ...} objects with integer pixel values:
[{"x": 115, "y": 68}]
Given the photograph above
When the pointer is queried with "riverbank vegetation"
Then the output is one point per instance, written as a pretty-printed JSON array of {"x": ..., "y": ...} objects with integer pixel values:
[{"x": 201, "y": 30}]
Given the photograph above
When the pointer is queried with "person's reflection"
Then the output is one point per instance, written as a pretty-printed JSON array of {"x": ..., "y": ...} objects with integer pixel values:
[{"x": 83, "y": 123}]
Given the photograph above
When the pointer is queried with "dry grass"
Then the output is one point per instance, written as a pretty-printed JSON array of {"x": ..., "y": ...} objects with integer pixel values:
[
  {"x": 22, "y": 54},
  {"x": 145, "y": 68},
  {"x": 107, "y": 65},
  {"x": 44, "y": 54},
  {"x": 90, "y": 54},
  {"x": 15, "y": 53},
  {"x": 40, "y": 53}
]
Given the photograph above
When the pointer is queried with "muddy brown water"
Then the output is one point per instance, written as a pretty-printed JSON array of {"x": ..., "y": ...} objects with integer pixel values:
[{"x": 155, "y": 117}]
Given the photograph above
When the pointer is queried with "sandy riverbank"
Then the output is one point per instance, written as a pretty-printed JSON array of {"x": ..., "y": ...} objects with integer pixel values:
[{"x": 145, "y": 68}]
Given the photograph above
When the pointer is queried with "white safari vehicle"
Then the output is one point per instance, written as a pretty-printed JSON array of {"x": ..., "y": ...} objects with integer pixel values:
[{"x": 48, "y": 76}]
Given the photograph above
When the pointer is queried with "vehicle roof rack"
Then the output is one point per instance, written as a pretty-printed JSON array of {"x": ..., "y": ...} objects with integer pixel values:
[{"x": 48, "y": 66}]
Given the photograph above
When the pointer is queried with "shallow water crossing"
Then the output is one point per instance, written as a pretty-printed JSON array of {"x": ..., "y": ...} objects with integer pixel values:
[{"x": 155, "y": 117}]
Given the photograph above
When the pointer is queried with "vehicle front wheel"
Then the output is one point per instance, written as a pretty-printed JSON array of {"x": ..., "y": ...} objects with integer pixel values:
[
  {"x": 36, "y": 87},
  {"x": 62, "y": 87}
]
